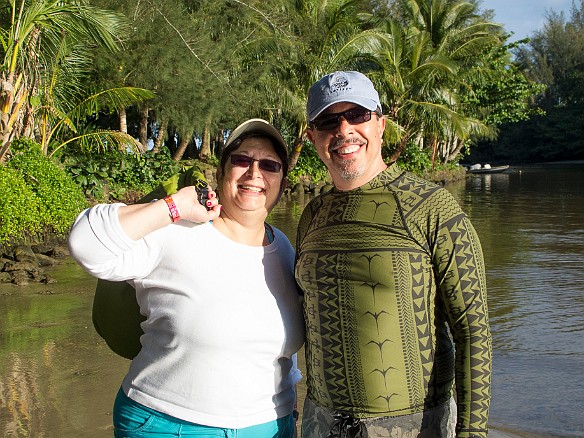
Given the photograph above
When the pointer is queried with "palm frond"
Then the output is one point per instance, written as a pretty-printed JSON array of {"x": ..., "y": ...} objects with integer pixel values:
[
  {"x": 108, "y": 100},
  {"x": 102, "y": 140}
]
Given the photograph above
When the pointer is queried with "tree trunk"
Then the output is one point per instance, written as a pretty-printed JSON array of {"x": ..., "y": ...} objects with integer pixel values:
[
  {"x": 206, "y": 143},
  {"x": 143, "y": 129},
  {"x": 218, "y": 143},
  {"x": 161, "y": 135},
  {"x": 182, "y": 147},
  {"x": 400, "y": 148},
  {"x": 434, "y": 146},
  {"x": 459, "y": 145},
  {"x": 28, "y": 125},
  {"x": 13, "y": 96},
  {"x": 123, "y": 121},
  {"x": 298, "y": 143}
]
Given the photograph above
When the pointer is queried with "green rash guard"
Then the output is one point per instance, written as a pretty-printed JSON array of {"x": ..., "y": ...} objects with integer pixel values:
[{"x": 387, "y": 270}]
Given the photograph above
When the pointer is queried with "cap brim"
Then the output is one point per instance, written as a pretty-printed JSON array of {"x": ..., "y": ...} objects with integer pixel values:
[
  {"x": 256, "y": 125},
  {"x": 365, "y": 102}
]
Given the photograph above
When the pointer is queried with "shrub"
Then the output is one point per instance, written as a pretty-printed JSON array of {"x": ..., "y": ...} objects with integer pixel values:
[
  {"x": 57, "y": 199},
  {"x": 110, "y": 175},
  {"x": 309, "y": 167},
  {"x": 414, "y": 160},
  {"x": 20, "y": 208}
]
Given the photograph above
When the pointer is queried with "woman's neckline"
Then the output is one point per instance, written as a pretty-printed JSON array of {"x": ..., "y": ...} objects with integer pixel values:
[{"x": 268, "y": 238}]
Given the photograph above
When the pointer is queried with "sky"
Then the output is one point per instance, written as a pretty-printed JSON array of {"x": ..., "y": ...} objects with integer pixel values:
[{"x": 523, "y": 17}]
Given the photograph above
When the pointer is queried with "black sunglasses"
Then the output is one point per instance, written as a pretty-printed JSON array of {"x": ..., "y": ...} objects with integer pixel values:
[
  {"x": 264, "y": 164},
  {"x": 353, "y": 116}
]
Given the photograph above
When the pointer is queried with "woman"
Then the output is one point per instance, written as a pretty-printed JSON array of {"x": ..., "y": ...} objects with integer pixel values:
[{"x": 216, "y": 284}]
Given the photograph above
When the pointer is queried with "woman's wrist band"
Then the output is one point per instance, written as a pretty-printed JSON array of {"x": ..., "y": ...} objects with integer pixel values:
[{"x": 173, "y": 209}]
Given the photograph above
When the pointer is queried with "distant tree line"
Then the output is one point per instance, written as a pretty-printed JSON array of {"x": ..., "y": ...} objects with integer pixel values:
[
  {"x": 76, "y": 71},
  {"x": 554, "y": 58}
]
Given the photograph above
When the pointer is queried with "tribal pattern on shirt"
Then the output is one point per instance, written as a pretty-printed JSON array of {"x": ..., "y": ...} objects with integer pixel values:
[{"x": 395, "y": 302}]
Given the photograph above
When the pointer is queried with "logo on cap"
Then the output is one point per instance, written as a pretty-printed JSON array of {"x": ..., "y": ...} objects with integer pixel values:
[
  {"x": 341, "y": 86},
  {"x": 338, "y": 82}
]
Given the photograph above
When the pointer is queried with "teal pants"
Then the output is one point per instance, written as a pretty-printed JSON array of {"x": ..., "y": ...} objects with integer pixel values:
[{"x": 133, "y": 420}]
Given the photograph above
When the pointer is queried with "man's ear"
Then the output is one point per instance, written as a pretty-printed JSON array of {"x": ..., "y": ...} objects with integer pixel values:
[
  {"x": 309, "y": 134},
  {"x": 381, "y": 125}
]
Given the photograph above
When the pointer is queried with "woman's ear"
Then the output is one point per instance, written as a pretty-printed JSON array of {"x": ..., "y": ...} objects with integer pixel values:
[{"x": 283, "y": 186}]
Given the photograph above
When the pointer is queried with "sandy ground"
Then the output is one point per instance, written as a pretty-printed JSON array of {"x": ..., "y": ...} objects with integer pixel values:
[
  {"x": 498, "y": 434},
  {"x": 495, "y": 433}
]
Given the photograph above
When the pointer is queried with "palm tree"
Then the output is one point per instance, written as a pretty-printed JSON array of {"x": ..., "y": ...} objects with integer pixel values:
[
  {"x": 316, "y": 37},
  {"x": 59, "y": 129},
  {"x": 413, "y": 82},
  {"x": 455, "y": 38},
  {"x": 45, "y": 54}
]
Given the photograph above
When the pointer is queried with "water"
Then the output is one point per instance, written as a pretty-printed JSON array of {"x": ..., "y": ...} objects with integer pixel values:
[
  {"x": 532, "y": 229},
  {"x": 58, "y": 378}
]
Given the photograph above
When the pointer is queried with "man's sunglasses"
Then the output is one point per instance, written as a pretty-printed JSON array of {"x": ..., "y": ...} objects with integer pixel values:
[
  {"x": 353, "y": 116},
  {"x": 264, "y": 164}
]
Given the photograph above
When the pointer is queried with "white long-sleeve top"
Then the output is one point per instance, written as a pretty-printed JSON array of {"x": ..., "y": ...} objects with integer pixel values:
[{"x": 223, "y": 323}]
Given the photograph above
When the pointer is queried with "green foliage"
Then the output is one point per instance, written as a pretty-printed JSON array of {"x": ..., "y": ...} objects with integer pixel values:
[
  {"x": 19, "y": 207},
  {"x": 213, "y": 160},
  {"x": 46, "y": 52},
  {"x": 414, "y": 159},
  {"x": 37, "y": 196},
  {"x": 554, "y": 59},
  {"x": 553, "y": 137},
  {"x": 109, "y": 175},
  {"x": 185, "y": 52},
  {"x": 504, "y": 95},
  {"x": 444, "y": 72},
  {"x": 309, "y": 167}
]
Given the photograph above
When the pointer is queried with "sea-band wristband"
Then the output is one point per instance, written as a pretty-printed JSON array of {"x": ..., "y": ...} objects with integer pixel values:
[{"x": 173, "y": 209}]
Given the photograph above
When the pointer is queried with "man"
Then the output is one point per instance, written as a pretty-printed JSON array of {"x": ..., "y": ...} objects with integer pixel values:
[{"x": 394, "y": 287}]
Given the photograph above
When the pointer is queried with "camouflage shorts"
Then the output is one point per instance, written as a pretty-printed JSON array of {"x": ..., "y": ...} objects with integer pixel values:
[{"x": 320, "y": 422}]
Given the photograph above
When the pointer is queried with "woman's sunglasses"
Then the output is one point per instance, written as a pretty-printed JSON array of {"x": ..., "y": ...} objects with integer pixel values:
[
  {"x": 264, "y": 164},
  {"x": 353, "y": 116}
]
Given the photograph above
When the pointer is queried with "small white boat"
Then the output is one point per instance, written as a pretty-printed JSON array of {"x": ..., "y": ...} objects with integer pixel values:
[{"x": 487, "y": 168}]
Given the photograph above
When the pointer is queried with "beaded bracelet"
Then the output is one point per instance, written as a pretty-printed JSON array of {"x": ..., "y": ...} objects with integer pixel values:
[{"x": 174, "y": 213}]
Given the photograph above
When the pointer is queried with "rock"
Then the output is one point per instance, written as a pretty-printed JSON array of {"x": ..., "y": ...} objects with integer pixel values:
[
  {"x": 47, "y": 279},
  {"x": 5, "y": 277},
  {"x": 23, "y": 253},
  {"x": 318, "y": 187},
  {"x": 326, "y": 188},
  {"x": 42, "y": 248},
  {"x": 23, "y": 264},
  {"x": 20, "y": 278},
  {"x": 45, "y": 260},
  {"x": 298, "y": 189},
  {"x": 59, "y": 252}
]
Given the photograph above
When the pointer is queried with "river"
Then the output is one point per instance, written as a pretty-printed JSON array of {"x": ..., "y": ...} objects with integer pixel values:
[{"x": 59, "y": 379}]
